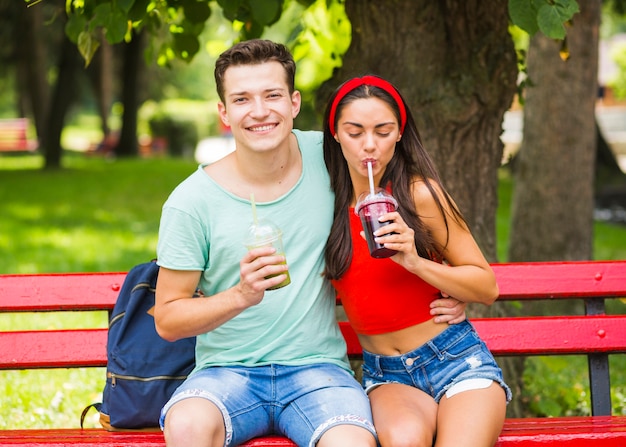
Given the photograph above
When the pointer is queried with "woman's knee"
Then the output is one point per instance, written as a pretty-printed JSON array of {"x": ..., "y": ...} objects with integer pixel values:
[{"x": 406, "y": 435}]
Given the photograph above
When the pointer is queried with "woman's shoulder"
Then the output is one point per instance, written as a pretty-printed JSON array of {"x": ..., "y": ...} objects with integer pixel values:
[{"x": 422, "y": 189}]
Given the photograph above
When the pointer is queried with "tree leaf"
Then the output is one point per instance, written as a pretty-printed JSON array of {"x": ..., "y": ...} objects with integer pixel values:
[
  {"x": 567, "y": 8},
  {"x": 116, "y": 27},
  {"x": 196, "y": 11},
  {"x": 139, "y": 10},
  {"x": 186, "y": 46},
  {"x": 266, "y": 12},
  {"x": 550, "y": 21},
  {"x": 76, "y": 24},
  {"x": 230, "y": 8},
  {"x": 87, "y": 46},
  {"x": 124, "y": 5},
  {"x": 523, "y": 14}
]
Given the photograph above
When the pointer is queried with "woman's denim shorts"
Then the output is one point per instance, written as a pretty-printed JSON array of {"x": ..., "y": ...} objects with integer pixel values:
[
  {"x": 455, "y": 355},
  {"x": 299, "y": 402}
]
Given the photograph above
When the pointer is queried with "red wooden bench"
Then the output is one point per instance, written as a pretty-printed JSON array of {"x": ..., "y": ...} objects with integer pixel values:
[
  {"x": 593, "y": 334},
  {"x": 14, "y": 135}
]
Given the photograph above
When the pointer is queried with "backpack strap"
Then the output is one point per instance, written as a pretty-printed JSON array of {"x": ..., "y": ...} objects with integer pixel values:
[{"x": 83, "y": 415}]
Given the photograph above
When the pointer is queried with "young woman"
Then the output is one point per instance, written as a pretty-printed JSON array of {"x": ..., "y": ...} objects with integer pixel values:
[{"x": 428, "y": 382}]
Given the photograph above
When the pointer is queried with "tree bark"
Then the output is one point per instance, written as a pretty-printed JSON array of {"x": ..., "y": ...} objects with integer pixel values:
[
  {"x": 31, "y": 67},
  {"x": 455, "y": 64},
  {"x": 63, "y": 96},
  {"x": 552, "y": 210},
  {"x": 133, "y": 63},
  {"x": 100, "y": 73}
]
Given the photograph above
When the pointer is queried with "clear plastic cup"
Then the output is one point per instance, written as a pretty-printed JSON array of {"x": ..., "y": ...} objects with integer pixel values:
[
  {"x": 369, "y": 208},
  {"x": 265, "y": 233}
]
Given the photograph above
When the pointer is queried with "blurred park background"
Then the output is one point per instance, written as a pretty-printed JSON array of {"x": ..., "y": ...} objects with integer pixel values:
[{"x": 523, "y": 109}]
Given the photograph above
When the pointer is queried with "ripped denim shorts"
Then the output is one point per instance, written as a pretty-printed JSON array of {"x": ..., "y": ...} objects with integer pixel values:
[{"x": 455, "y": 355}]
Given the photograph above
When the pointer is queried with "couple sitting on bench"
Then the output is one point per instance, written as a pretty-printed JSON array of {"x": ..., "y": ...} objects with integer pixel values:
[{"x": 250, "y": 336}]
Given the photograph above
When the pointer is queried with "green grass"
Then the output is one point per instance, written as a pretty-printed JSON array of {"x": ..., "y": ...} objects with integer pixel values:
[
  {"x": 103, "y": 215},
  {"x": 95, "y": 215}
]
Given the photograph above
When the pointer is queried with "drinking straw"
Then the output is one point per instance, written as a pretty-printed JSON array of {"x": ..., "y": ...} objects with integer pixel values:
[
  {"x": 253, "y": 207},
  {"x": 371, "y": 177}
]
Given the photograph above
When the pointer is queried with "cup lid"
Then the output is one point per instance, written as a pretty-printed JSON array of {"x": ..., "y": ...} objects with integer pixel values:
[
  {"x": 380, "y": 195},
  {"x": 263, "y": 231}
]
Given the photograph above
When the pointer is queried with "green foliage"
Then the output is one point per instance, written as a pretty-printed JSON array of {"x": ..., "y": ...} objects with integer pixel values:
[
  {"x": 198, "y": 117},
  {"x": 608, "y": 237},
  {"x": 547, "y": 16},
  {"x": 613, "y": 18},
  {"x": 95, "y": 215},
  {"x": 559, "y": 385},
  {"x": 175, "y": 26},
  {"x": 618, "y": 83},
  {"x": 181, "y": 135},
  {"x": 324, "y": 36},
  {"x": 318, "y": 33},
  {"x": 543, "y": 386},
  {"x": 178, "y": 22},
  {"x": 49, "y": 398}
]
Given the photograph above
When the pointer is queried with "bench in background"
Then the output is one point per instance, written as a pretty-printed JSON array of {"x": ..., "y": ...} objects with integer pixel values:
[
  {"x": 14, "y": 135},
  {"x": 593, "y": 334}
]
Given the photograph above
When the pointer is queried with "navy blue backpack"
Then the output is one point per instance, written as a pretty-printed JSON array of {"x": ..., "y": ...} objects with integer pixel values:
[{"x": 143, "y": 370}]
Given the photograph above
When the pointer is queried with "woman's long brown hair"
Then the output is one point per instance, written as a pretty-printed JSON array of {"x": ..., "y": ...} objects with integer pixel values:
[{"x": 410, "y": 163}]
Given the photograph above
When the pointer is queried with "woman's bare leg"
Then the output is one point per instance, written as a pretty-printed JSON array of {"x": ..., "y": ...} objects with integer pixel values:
[
  {"x": 472, "y": 418},
  {"x": 403, "y": 416}
]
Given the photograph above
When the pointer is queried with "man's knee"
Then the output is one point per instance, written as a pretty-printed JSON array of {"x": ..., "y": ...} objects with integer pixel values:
[
  {"x": 347, "y": 435},
  {"x": 193, "y": 419}
]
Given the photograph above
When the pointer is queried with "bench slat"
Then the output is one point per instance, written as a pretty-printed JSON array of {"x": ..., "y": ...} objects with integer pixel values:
[
  {"x": 14, "y": 135},
  {"x": 554, "y": 335},
  {"x": 58, "y": 292},
  {"x": 71, "y": 348},
  {"x": 585, "y": 279},
  {"x": 97, "y": 291},
  {"x": 579, "y": 431},
  {"x": 539, "y": 335},
  {"x": 584, "y": 431},
  {"x": 78, "y": 437},
  {"x": 97, "y": 437},
  {"x": 532, "y": 335}
]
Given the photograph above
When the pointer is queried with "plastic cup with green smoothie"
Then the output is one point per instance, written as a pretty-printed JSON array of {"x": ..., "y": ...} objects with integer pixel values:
[{"x": 265, "y": 233}]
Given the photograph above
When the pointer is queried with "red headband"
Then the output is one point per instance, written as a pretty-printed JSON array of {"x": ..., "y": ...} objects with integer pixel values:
[{"x": 374, "y": 81}]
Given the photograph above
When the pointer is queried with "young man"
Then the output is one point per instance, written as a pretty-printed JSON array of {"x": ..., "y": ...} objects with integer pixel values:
[{"x": 267, "y": 361}]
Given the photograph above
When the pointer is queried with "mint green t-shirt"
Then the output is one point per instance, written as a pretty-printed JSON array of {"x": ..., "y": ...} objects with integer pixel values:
[{"x": 203, "y": 228}]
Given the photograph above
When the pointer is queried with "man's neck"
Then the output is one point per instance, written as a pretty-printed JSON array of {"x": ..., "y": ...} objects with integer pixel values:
[{"x": 268, "y": 175}]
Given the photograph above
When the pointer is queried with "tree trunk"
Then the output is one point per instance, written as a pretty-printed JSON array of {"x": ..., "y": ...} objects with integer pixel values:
[
  {"x": 62, "y": 98},
  {"x": 100, "y": 73},
  {"x": 133, "y": 63},
  {"x": 31, "y": 67},
  {"x": 552, "y": 210},
  {"x": 455, "y": 64}
]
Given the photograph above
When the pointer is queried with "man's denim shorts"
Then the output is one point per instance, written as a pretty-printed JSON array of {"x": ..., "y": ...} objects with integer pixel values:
[
  {"x": 455, "y": 355},
  {"x": 299, "y": 402}
]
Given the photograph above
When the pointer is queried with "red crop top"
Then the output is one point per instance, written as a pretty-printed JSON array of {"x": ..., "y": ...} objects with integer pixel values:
[{"x": 380, "y": 295}]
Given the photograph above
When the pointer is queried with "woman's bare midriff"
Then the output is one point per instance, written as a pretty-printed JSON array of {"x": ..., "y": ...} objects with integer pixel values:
[{"x": 402, "y": 341}]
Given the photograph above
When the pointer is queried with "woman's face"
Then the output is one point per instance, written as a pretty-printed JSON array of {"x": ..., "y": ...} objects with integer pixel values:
[{"x": 367, "y": 130}]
